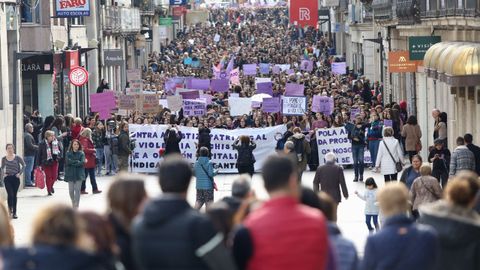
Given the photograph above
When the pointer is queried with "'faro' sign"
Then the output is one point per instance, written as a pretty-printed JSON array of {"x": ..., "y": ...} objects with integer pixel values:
[{"x": 72, "y": 8}]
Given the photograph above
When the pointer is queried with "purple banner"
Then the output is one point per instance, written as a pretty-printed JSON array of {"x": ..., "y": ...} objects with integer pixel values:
[
  {"x": 265, "y": 87},
  {"x": 276, "y": 69},
  {"x": 219, "y": 85},
  {"x": 322, "y": 104},
  {"x": 306, "y": 65},
  {"x": 264, "y": 68},
  {"x": 256, "y": 104},
  {"x": 271, "y": 105},
  {"x": 353, "y": 113},
  {"x": 294, "y": 89},
  {"x": 188, "y": 82},
  {"x": 339, "y": 68},
  {"x": 202, "y": 84},
  {"x": 103, "y": 101},
  {"x": 388, "y": 123},
  {"x": 250, "y": 69},
  {"x": 290, "y": 71},
  {"x": 194, "y": 94},
  {"x": 194, "y": 107}
]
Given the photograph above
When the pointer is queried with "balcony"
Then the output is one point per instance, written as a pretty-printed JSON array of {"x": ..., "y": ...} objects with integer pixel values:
[
  {"x": 382, "y": 9},
  {"x": 448, "y": 8},
  {"x": 120, "y": 19},
  {"x": 147, "y": 7},
  {"x": 408, "y": 12}
]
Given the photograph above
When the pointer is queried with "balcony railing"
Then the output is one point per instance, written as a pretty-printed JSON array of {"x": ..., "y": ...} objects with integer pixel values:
[
  {"x": 120, "y": 19},
  {"x": 147, "y": 7},
  {"x": 449, "y": 8},
  {"x": 382, "y": 9}
]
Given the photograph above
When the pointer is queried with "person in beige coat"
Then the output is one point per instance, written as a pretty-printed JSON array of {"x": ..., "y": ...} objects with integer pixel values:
[
  {"x": 425, "y": 189},
  {"x": 412, "y": 134}
]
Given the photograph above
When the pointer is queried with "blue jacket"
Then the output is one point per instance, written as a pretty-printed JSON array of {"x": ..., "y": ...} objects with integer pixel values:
[
  {"x": 204, "y": 180},
  {"x": 345, "y": 252},
  {"x": 401, "y": 244}
]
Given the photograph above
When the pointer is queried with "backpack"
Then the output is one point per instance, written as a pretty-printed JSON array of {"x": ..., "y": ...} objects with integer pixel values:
[{"x": 299, "y": 149}]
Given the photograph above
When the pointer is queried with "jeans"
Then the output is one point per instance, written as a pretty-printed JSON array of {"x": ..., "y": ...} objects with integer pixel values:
[
  {"x": 74, "y": 188},
  {"x": 110, "y": 160},
  {"x": 373, "y": 148},
  {"x": 368, "y": 219},
  {"x": 11, "y": 185},
  {"x": 29, "y": 162},
  {"x": 358, "y": 157},
  {"x": 100, "y": 156},
  {"x": 90, "y": 172},
  {"x": 442, "y": 177}
]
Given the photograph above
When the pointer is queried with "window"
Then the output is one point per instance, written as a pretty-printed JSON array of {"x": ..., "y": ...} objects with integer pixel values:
[
  {"x": 76, "y": 21},
  {"x": 30, "y": 11}
]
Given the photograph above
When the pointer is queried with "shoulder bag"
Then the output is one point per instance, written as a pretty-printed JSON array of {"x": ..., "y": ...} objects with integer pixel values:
[
  {"x": 429, "y": 189},
  {"x": 398, "y": 164},
  {"x": 211, "y": 178}
]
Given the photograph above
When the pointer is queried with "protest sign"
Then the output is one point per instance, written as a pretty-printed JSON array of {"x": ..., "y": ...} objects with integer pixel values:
[
  {"x": 284, "y": 67},
  {"x": 250, "y": 69},
  {"x": 126, "y": 102},
  {"x": 388, "y": 123},
  {"x": 102, "y": 101},
  {"x": 306, "y": 65},
  {"x": 322, "y": 104},
  {"x": 235, "y": 76},
  {"x": 294, "y": 89},
  {"x": 150, "y": 138},
  {"x": 276, "y": 69},
  {"x": 265, "y": 87},
  {"x": 207, "y": 98},
  {"x": 189, "y": 94},
  {"x": 354, "y": 112},
  {"x": 163, "y": 103},
  {"x": 256, "y": 104},
  {"x": 290, "y": 71},
  {"x": 336, "y": 140},
  {"x": 136, "y": 87},
  {"x": 264, "y": 68},
  {"x": 150, "y": 104},
  {"x": 219, "y": 85},
  {"x": 216, "y": 38},
  {"x": 339, "y": 68},
  {"x": 203, "y": 84},
  {"x": 271, "y": 105},
  {"x": 194, "y": 107},
  {"x": 175, "y": 103},
  {"x": 294, "y": 105},
  {"x": 239, "y": 106},
  {"x": 134, "y": 74}
]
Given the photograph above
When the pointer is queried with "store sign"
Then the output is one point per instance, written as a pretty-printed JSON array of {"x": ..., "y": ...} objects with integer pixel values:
[
  {"x": 399, "y": 62},
  {"x": 78, "y": 76},
  {"x": 42, "y": 64},
  {"x": 165, "y": 21},
  {"x": 304, "y": 12},
  {"x": 178, "y": 11},
  {"x": 418, "y": 46},
  {"x": 113, "y": 57},
  {"x": 72, "y": 8}
]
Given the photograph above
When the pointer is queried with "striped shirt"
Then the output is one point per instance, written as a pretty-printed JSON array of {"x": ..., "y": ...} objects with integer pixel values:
[{"x": 13, "y": 167}]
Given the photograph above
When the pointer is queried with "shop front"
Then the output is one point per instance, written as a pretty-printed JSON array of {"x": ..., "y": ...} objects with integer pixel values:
[{"x": 37, "y": 85}]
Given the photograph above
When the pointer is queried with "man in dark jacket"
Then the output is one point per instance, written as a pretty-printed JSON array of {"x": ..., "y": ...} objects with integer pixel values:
[
  {"x": 474, "y": 149},
  {"x": 124, "y": 147},
  {"x": 30, "y": 150},
  {"x": 440, "y": 158},
  {"x": 330, "y": 178},
  {"x": 170, "y": 234}
]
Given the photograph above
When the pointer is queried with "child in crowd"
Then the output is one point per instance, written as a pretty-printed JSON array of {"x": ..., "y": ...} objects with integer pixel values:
[{"x": 371, "y": 206}]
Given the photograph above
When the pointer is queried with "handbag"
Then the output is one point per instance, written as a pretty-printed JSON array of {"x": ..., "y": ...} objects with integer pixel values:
[
  {"x": 398, "y": 164},
  {"x": 211, "y": 178},
  {"x": 39, "y": 176},
  {"x": 418, "y": 146}
]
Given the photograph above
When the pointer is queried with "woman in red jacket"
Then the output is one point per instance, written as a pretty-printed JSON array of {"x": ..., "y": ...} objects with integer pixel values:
[{"x": 90, "y": 158}]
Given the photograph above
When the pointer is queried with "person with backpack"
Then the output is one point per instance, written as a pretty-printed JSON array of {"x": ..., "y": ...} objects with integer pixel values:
[
  {"x": 285, "y": 136},
  {"x": 302, "y": 150},
  {"x": 245, "y": 157}
]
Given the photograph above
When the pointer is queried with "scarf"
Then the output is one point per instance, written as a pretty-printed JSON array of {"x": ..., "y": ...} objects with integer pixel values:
[{"x": 54, "y": 150}]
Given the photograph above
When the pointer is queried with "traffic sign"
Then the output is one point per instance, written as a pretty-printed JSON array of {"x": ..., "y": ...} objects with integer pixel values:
[
  {"x": 78, "y": 76},
  {"x": 178, "y": 2}
]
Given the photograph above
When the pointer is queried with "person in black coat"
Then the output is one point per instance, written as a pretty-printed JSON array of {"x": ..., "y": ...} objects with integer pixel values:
[
  {"x": 172, "y": 141},
  {"x": 103, "y": 86},
  {"x": 474, "y": 149},
  {"x": 439, "y": 156},
  {"x": 245, "y": 157}
]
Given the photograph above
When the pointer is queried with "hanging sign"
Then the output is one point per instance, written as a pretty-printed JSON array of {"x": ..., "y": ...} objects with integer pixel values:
[{"x": 78, "y": 76}]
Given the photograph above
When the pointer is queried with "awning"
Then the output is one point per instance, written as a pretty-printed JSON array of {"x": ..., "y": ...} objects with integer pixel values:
[{"x": 455, "y": 63}]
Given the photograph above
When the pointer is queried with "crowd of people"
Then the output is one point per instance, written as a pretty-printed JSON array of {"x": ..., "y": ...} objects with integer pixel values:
[{"x": 425, "y": 221}]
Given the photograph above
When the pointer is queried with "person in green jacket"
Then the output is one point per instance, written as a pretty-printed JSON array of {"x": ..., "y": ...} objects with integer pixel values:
[
  {"x": 74, "y": 171},
  {"x": 124, "y": 147}
]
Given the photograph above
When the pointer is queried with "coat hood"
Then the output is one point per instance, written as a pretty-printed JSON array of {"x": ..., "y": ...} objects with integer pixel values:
[
  {"x": 298, "y": 136},
  {"x": 161, "y": 210},
  {"x": 456, "y": 226}
]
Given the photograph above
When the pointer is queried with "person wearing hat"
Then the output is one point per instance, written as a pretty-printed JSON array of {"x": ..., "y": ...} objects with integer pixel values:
[{"x": 440, "y": 158}]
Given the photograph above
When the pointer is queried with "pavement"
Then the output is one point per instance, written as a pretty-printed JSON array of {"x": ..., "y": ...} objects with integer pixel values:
[{"x": 351, "y": 219}]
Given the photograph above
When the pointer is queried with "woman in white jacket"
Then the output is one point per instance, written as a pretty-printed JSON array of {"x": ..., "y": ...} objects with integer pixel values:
[{"x": 384, "y": 161}]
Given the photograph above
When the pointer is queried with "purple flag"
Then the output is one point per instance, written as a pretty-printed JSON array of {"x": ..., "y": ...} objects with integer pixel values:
[
  {"x": 271, "y": 105},
  {"x": 265, "y": 87},
  {"x": 322, "y": 104},
  {"x": 264, "y": 68},
  {"x": 194, "y": 94},
  {"x": 294, "y": 89},
  {"x": 250, "y": 69},
  {"x": 203, "y": 84},
  {"x": 388, "y": 123},
  {"x": 219, "y": 85},
  {"x": 306, "y": 65}
]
